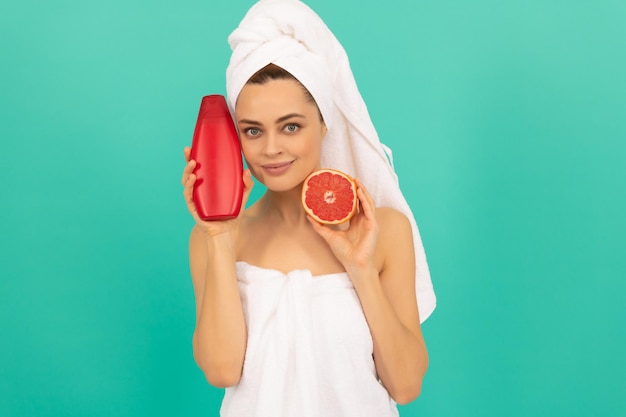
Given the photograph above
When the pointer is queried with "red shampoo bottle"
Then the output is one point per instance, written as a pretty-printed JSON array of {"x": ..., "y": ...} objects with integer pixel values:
[{"x": 218, "y": 190}]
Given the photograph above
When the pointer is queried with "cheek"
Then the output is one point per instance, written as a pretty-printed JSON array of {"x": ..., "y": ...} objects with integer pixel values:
[
  {"x": 248, "y": 157},
  {"x": 247, "y": 149},
  {"x": 314, "y": 145}
]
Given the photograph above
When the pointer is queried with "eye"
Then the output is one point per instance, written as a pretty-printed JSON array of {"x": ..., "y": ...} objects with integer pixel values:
[
  {"x": 252, "y": 131},
  {"x": 291, "y": 128}
]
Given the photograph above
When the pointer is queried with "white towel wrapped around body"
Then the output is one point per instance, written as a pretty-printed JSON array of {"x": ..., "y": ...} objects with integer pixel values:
[
  {"x": 309, "y": 350},
  {"x": 289, "y": 34}
]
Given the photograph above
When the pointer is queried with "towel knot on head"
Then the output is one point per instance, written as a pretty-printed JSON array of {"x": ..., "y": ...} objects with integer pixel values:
[{"x": 290, "y": 35}]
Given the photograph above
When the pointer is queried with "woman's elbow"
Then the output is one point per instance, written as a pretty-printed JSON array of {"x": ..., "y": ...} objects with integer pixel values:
[
  {"x": 407, "y": 394},
  {"x": 409, "y": 389},
  {"x": 220, "y": 375},
  {"x": 222, "y": 378}
]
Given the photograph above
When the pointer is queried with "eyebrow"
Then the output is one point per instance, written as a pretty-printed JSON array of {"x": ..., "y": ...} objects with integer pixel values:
[{"x": 279, "y": 120}]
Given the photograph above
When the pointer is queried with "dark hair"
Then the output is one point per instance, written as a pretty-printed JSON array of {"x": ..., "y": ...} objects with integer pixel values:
[{"x": 274, "y": 72}]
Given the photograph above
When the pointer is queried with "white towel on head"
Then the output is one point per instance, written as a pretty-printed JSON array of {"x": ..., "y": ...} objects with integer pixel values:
[{"x": 289, "y": 34}]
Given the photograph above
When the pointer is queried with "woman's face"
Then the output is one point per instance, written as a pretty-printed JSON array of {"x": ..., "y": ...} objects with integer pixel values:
[{"x": 281, "y": 133}]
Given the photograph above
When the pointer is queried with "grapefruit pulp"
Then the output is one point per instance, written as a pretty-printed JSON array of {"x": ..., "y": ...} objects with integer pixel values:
[{"x": 329, "y": 196}]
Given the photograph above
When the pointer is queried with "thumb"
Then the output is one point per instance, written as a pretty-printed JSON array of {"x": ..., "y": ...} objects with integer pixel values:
[
  {"x": 325, "y": 232},
  {"x": 248, "y": 183}
]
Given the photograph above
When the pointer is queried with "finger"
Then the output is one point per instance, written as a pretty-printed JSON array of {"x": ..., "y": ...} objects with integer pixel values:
[
  {"x": 248, "y": 183},
  {"x": 188, "y": 190},
  {"x": 191, "y": 165},
  {"x": 188, "y": 194},
  {"x": 367, "y": 202},
  {"x": 187, "y": 153},
  {"x": 325, "y": 232},
  {"x": 316, "y": 226}
]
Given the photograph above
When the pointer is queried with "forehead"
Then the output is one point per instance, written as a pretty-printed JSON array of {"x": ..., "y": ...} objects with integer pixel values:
[{"x": 273, "y": 98}]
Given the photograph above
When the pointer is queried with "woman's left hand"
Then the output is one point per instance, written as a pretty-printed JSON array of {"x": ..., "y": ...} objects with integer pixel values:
[{"x": 354, "y": 246}]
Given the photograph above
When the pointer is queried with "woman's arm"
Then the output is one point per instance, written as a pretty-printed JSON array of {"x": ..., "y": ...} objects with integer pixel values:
[
  {"x": 390, "y": 306},
  {"x": 219, "y": 339},
  {"x": 377, "y": 252}
]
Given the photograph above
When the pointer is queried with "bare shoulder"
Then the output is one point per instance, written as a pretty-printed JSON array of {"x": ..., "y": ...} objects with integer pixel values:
[
  {"x": 393, "y": 225},
  {"x": 392, "y": 215},
  {"x": 395, "y": 246}
]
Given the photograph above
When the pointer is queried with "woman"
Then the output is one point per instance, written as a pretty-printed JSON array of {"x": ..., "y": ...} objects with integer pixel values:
[{"x": 293, "y": 317}]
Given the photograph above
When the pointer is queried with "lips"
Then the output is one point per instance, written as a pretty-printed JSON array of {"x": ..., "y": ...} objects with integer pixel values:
[{"x": 277, "y": 168}]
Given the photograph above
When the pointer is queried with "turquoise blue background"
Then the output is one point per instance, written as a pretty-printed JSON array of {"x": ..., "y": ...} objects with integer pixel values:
[{"x": 507, "y": 121}]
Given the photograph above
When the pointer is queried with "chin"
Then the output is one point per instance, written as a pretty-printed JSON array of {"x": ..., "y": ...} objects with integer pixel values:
[
  {"x": 282, "y": 187},
  {"x": 284, "y": 183}
]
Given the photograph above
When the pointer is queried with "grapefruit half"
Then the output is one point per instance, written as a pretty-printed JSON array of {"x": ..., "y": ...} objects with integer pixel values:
[{"x": 329, "y": 196}]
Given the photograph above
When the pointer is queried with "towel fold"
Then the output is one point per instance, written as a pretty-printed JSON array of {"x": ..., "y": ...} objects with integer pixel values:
[{"x": 289, "y": 34}]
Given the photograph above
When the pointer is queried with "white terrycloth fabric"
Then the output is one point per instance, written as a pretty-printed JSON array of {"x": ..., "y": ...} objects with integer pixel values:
[
  {"x": 309, "y": 351},
  {"x": 289, "y": 34}
]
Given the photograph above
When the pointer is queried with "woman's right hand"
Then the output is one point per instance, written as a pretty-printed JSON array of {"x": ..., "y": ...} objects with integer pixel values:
[{"x": 212, "y": 228}]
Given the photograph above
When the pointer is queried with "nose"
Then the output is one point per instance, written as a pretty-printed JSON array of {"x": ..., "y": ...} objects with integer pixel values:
[{"x": 273, "y": 144}]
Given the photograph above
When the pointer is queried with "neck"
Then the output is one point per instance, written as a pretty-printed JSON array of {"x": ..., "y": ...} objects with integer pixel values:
[{"x": 285, "y": 207}]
